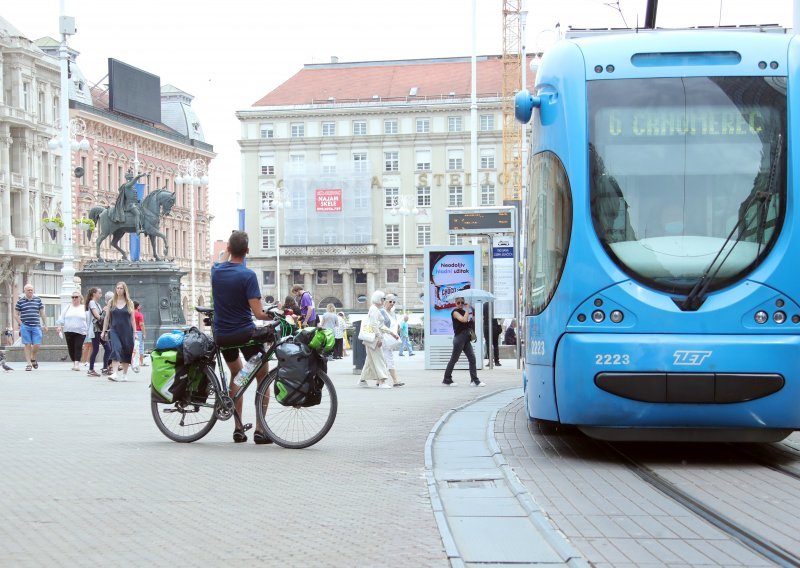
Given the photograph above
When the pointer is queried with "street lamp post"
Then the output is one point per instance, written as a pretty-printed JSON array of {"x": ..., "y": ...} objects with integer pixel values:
[
  {"x": 404, "y": 207},
  {"x": 66, "y": 26},
  {"x": 193, "y": 173},
  {"x": 279, "y": 202}
]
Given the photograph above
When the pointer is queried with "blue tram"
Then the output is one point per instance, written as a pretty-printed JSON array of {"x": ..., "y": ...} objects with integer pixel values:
[{"x": 661, "y": 278}]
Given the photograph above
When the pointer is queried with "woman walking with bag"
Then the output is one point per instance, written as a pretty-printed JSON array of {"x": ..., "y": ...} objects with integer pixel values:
[
  {"x": 120, "y": 320},
  {"x": 72, "y": 325},
  {"x": 375, "y": 364},
  {"x": 392, "y": 342}
]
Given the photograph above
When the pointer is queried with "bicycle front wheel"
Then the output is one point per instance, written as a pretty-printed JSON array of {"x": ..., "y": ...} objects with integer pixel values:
[
  {"x": 187, "y": 421},
  {"x": 295, "y": 427}
]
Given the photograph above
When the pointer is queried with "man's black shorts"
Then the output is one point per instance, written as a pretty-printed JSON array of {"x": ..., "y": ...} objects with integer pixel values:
[{"x": 230, "y": 354}]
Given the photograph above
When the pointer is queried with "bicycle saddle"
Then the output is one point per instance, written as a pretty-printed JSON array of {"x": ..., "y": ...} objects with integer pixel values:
[{"x": 204, "y": 310}]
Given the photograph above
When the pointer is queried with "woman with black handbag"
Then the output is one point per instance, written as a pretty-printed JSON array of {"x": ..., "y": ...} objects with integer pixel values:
[{"x": 463, "y": 331}]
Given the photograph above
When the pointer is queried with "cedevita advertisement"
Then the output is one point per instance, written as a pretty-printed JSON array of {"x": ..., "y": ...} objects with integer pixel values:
[{"x": 451, "y": 272}]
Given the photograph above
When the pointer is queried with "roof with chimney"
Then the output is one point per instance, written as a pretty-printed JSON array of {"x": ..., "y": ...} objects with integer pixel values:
[{"x": 388, "y": 80}]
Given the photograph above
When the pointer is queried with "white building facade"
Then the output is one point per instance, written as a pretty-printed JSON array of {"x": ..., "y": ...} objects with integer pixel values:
[{"x": 348, "y": 169}]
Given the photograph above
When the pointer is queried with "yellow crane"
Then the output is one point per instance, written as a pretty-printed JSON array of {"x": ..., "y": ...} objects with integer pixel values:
[{"x": 512, "y": 83}]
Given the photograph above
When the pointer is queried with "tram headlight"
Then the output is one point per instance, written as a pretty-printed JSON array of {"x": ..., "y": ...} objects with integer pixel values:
[
  {"x": 598, "y": 316},
  {"x": 761, "y": 316},
  {"x": 616, "y": 316},
  {"x": 779, "y": 317}
]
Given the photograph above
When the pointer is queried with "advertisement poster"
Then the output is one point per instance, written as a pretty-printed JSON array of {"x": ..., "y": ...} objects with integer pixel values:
[
  {"x": 503, "y": 276},
  {"x": 329, "y": 200},
  {"x": 450, "y": 272}
]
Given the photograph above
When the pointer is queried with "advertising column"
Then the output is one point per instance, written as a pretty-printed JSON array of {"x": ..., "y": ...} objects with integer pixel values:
[{"x": 449, "y": 270}]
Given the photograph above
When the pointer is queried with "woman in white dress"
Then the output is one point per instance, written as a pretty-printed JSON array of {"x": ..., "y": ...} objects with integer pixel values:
[{"x": 375, "y": 365}]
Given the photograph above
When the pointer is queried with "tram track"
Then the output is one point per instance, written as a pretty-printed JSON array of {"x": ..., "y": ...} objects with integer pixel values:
[{"x": 755, "y": 542}]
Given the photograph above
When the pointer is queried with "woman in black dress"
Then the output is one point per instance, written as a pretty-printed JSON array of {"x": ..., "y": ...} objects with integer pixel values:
[{"x": 121, "y": 322}]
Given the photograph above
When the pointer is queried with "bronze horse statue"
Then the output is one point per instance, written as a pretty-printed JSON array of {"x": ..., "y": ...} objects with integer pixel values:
[{"x": 157, "y": 204}]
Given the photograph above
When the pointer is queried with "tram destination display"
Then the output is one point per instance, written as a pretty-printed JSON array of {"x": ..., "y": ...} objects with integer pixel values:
[{"x": 481, "y": 221}]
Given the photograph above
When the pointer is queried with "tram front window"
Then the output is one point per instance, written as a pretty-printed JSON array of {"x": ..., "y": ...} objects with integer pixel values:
[{"x": 679, "y": 164}]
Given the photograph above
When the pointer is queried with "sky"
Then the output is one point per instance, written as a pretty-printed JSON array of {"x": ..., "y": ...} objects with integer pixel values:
[{"x": 230, "y": 54}]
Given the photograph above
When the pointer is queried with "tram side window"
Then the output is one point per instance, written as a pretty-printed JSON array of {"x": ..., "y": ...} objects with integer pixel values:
[{"x": 550, "y": 223}]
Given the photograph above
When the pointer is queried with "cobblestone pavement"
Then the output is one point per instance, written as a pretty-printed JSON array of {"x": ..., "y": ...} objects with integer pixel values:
[
  {"x": 88, "y": 479},
  {"x": 613, "y": 518}
]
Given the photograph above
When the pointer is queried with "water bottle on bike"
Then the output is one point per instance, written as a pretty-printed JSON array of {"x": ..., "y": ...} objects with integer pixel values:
[{"x": 243, "y": 377}]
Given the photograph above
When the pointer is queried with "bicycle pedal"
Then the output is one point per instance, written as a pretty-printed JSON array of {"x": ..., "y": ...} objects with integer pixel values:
[{"x": 246, "y": 427}]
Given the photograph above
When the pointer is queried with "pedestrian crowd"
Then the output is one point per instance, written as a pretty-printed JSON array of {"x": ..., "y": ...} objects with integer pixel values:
[{"x": 86, "y": 324}]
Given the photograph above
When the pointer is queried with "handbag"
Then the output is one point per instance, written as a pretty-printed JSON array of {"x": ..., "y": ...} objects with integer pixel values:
[
  {"x": 472, "y": 337},
  {"x": 367, "y": 334},
  {"x": 390, "y": 342}
]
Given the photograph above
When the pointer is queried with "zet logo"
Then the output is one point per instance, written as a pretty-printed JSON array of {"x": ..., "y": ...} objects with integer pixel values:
[{"x": 692, "y": 358}]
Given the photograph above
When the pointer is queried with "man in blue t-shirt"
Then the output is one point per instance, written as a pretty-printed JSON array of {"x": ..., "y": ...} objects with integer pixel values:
[
  {"x": 237, "y": 299},
  {"x": 30, "y": 317}
]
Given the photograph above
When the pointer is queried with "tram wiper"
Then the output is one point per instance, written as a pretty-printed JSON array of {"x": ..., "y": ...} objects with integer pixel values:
[{"x": 697, "y": 295}]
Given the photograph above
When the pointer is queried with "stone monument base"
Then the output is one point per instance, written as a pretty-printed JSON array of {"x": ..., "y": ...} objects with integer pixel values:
[{"x": 155, "y": 285}]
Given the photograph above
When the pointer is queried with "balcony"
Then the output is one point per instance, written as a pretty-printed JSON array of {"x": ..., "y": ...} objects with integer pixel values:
[{"x": 329, "y": 250}]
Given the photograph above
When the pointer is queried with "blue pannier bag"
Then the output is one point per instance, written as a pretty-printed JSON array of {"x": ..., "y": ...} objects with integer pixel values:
[{"x": 170, "y": 340}]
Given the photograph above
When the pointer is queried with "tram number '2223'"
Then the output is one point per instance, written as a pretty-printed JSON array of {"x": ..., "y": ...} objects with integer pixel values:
[{"x": 612, "y": 359}]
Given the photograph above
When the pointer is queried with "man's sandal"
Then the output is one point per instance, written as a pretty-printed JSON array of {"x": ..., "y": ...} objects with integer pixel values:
[
  {"x": 239, "y": 435},
  {"x": 261, "y": 438},
  {"x": 34, "y": 363}
]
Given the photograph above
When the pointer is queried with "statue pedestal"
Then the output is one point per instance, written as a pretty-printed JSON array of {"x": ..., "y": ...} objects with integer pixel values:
[{"x": 156, "y": 285}]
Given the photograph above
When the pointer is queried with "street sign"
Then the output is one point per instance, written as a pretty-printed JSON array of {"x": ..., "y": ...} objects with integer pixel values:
[{"x": 482, "y": 220}]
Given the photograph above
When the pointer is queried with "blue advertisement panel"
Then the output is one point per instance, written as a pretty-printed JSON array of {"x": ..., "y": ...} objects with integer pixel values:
[{"x": 450, "y": 272}]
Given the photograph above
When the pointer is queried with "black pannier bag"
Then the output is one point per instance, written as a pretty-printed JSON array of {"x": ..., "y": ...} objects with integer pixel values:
[
  {"x": 297, "y": 383},
  {"x": 191, "y": 383}
]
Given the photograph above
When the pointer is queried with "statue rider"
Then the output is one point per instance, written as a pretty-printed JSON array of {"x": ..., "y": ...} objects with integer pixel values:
[{"x": 128, "y": 200}]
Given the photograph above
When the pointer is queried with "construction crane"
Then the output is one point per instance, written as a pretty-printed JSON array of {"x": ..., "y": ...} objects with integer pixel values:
[{"x": 512, "y": 83}]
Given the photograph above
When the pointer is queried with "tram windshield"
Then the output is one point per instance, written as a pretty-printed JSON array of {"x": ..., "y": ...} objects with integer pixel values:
[{"x": 677, "y": 165}]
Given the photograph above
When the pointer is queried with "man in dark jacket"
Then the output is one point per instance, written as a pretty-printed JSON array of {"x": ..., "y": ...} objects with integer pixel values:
[{"x": 497, "y": 329}]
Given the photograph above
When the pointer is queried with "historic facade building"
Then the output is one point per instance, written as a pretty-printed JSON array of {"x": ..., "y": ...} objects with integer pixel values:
[
  {"x": 348, "y": 169},
  {"x": 30, "y": 183}
]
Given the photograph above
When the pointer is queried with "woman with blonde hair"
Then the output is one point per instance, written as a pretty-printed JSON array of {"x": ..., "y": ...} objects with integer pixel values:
[
  {"x": 375, "y": 364},
  {"x": 121, "y": 322}
]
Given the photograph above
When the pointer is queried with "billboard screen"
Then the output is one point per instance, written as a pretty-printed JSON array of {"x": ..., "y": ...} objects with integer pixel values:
[
  {"x": 133, "y": 92},
  {"x": 450, "y": 272}
]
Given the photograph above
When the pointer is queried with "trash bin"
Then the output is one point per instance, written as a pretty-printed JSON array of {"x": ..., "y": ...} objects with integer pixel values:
[{"x": 358, "y": 350}]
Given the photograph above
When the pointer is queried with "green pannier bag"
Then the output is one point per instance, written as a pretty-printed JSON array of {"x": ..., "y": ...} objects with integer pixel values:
[
  {"x": 323, "y": 340},
  {"x": 162, "y": 373}
]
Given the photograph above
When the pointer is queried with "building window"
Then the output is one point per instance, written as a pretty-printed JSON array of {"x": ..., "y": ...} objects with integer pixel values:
[
  {"x": 267, "y": 165},
  {"x": 298, "y": 129},
  {"x": 337, "y": 277},
  {"x": 360, "y": 162},
  {"x": 328, "y": 162},
  {"x": 267, "y": 130},
  {"x": 423, "y": 196},
  {"x": 269, "y": 277},
  {"x": 322, "y": 276},
  {"x": 423, "y": 125},
  {"x": 456, "y": 240},
  {"x": 487, "y": 194},
  {"x": 85, "y": 175},
  {"x": 297, "y": 278},
  {"x": 455, "y": 159},
  {"x": 423, "y": 235},
  {"x": 359, "y": 127},
  {"x": 56, "y": 108},
  {"x": 393, "y": 235},
  {"x": 487, "y": 158},
  {"x": 329, "y": 129},
  {"x": 391, "y": 161},
  {"x": 26, "y": 96},
  {"x": 423, "y": 160},
  {"x": 267, "y": 200},
  {"x": 267, "y": 238},
  {"x": 390, "y": 126},
  {"x": 393, "y": 275},
  {"x": 454, "y": 124},
  {"x": 359, "y": 276},
  {"x": 390, "y": 196},
  {"x": 455, "y": 196},
  {"x": 40, "y": 108},
  {"x": 487, "y": 122}
]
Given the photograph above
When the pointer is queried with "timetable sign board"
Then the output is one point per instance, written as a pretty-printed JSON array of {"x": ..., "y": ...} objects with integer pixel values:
[{"x": 481, "y": 220}]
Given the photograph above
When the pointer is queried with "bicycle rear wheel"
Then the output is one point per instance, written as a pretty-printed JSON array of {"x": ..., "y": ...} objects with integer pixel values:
[
  {"x": 295, "y": 427},
  {"x": 183, "y": 421}
]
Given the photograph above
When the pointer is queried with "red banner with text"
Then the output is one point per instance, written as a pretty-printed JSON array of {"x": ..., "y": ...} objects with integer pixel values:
[{"x": 329, "y": 200}]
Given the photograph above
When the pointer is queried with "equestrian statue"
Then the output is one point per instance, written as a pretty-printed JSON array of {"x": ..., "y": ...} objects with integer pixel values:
[{"x": 127, "y": 215}]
